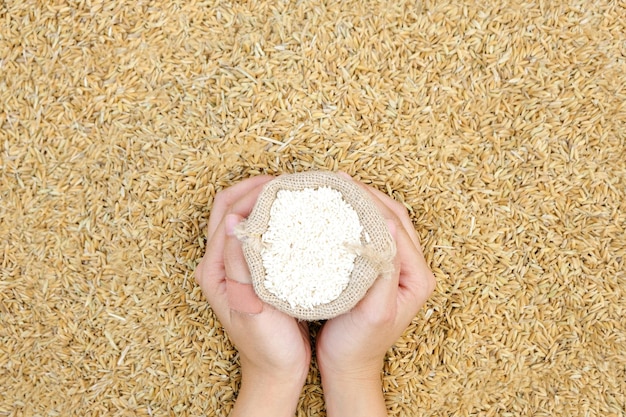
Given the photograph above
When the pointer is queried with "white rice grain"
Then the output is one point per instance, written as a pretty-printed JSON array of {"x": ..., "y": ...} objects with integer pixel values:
[{"x": 305, "y": 251}]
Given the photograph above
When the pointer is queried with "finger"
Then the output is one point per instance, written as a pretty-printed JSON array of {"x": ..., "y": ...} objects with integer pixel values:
[
  {"x": 345, "y": 175},
  {"x": 244, "y": 205},
  {"x": 242, "y": 298},
  {"x": 391, "y": 209},
  {"x": 416, "y": 281},
  {"x": 391, "y": 206},
  {"x": 381, "y": 298},
  {"x": 239, "y": 289},
  {"x": 397, "y": 208},
  {"x": 226, "y": 198},
  {"x": 387, "y": 205},
  {"x": 210, "y": 273},
  {"x": 234, "y": 261},
  {"x": 381, "y": 198},
  {"x": 407, "y": 242},
  {"x": 212, "y": 264}
]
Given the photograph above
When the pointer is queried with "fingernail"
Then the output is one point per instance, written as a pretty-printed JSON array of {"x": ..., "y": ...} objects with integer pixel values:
[{"x": 230, "y": 222}]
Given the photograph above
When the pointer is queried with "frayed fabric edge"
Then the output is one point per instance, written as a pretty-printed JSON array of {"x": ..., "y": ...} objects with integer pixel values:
[
  {"x": 244, "y": 236},
  {"x": 381, "y": 261}
]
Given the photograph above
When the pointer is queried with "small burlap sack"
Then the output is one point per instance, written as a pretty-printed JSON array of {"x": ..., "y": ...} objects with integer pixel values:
[{"x": 374, "y": 255}]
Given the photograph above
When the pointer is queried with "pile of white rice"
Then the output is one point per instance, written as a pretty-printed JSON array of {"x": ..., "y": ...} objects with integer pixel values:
[{"x": 306, "y": 246}]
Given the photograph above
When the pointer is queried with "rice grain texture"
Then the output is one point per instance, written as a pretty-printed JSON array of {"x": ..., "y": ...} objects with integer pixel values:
[
  {"x": 307, "y": 255},
  {"x": 500, "y": 126}
]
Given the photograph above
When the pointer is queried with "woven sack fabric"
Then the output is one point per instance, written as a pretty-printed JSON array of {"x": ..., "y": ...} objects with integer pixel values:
[{"x": 374, "y": 256}]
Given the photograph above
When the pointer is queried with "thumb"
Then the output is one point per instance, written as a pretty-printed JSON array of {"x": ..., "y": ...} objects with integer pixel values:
[{"x": 239, "y": 289}]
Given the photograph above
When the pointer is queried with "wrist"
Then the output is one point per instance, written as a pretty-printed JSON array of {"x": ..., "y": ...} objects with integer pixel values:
[
  {"x": 262, "y": 394},
  {"x": 354, "y": 394},
  {"x": 346, "y": 371}
]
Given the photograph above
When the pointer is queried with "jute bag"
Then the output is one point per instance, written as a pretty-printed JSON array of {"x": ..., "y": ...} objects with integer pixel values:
[{"x": 374, "y": 254}]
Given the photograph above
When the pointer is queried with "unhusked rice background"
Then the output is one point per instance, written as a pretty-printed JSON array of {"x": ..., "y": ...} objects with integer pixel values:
[{"x": 500, "y": 125}]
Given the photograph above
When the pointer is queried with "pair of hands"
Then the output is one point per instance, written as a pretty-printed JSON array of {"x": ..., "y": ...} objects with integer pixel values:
[{"x": 274, "y": 348}]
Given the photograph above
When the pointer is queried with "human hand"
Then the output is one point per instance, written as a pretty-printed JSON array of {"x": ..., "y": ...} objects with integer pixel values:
[
  {"x": 274, "y": 348},
  {"x": 351, "y": 347}
]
